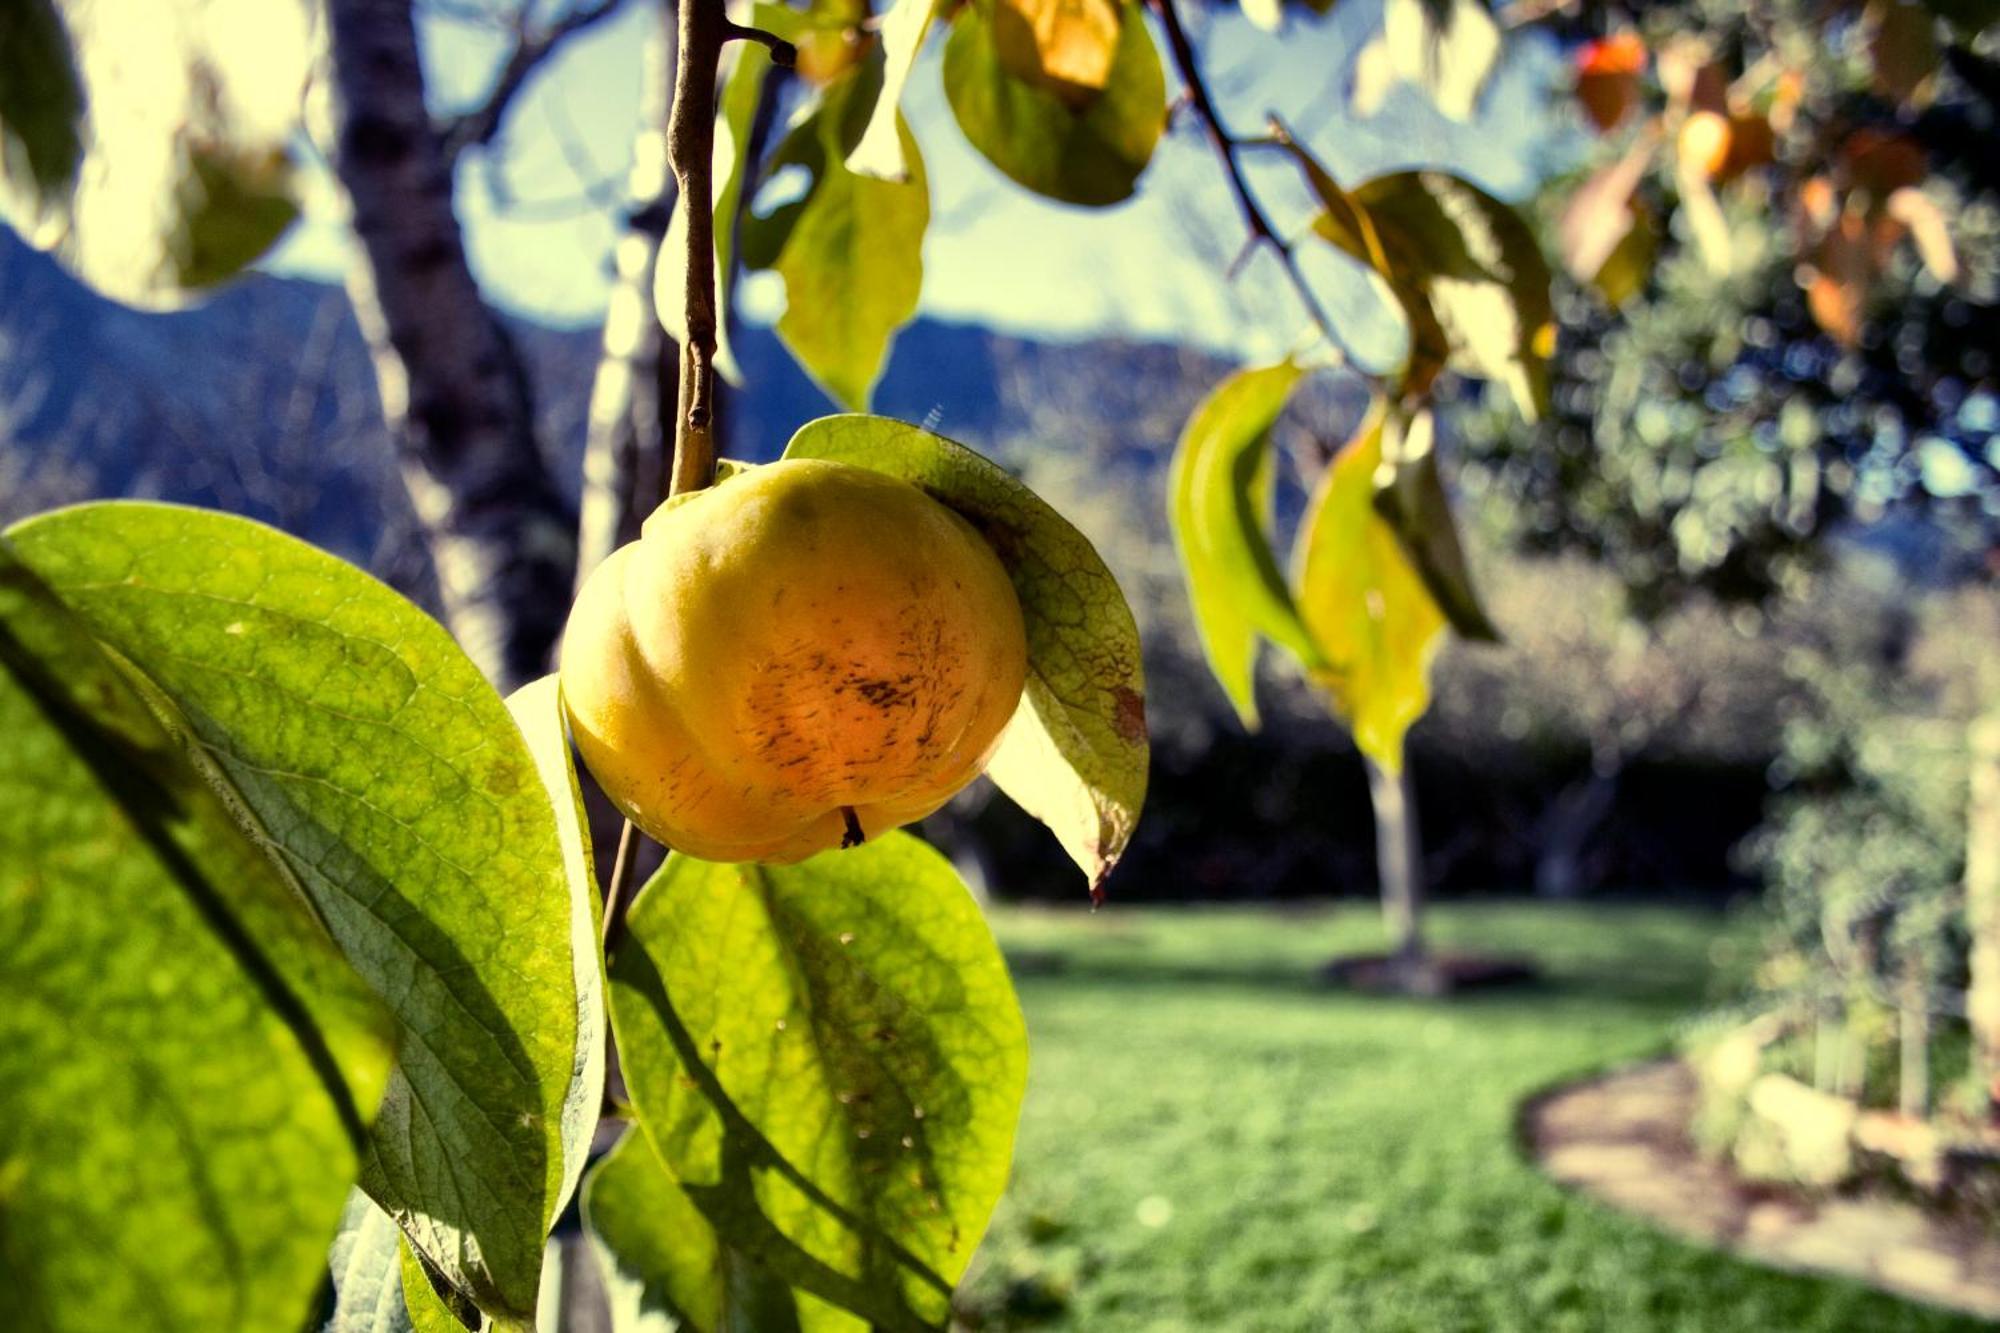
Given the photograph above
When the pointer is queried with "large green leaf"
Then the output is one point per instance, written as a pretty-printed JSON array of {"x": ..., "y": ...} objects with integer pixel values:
[
  {"x": 1366, "y": 603},
  {"x": 829, "y": 1060},
  {"x": 1220, "y": 490},
  {"x": 385, "y": 775},
  {"x": 1471, "y": 279},
  {"x": 851, "y": 250},
  {"x": 665, "y": 1269},
  {"x": 1075, "y": 755},
  {"x": 1080, "y": 148},
  {"x": 188, "y": 1067},
  {"x": 147, "y": 145}
]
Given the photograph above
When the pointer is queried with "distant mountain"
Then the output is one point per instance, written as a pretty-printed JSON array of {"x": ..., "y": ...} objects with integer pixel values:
[{"x": 262, "y": 401}]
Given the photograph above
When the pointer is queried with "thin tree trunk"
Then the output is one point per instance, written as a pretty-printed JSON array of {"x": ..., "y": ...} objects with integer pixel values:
[
  {"x": 452, "y": 386},
  {"x": 1982, "y": 905},
  {"x": 1399, "y": 865},
  {"x": 625, "y": 452}
]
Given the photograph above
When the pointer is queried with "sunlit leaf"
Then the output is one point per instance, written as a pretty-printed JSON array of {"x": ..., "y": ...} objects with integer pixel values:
[
  {"x": 1448, "y": 48},
  {"x": 1410, "y": 495},
  {"x": 1066, "y": 46},
  {"x": 666, "y": 1270},
  {"x": 1220, "y": 490},
  {"x": 366, "y": 1267},
  {"x": 1928, "y": 231},
  {"x": 383, "y": 772},
  {"x": 829, "y": 1060},
  {"x": 188, "y": 1068},
  {"x": 1607, "y": 78},
  {"x": 1600, "y": 220},
  {"x": 880, "y": 151},
  {"x": 850, "y": 251},
  {"x": 1080, "y": 145},
  {"x": 1366, "y": 603},
  {"x": 537, "y": 709},
  {"x": 1075, "y": 755},
  {"x": 187, "y": 111},
  {"x": 1470, "y": 277}
]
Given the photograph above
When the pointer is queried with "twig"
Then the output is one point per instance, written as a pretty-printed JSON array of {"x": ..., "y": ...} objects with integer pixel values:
[
  {"x": 479, "y": 125},
  {"x": 783, "y": 53},
  {"x": 618, "y": 894},
  {"x": 704, "y": 26},
  {"x": 1195, "y": 91}
]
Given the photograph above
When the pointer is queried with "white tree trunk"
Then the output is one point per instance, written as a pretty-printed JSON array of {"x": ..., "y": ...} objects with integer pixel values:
[
  {"x": 630, "y": 436},
  {"x": 452, "y": 387},
  {"x": 1398, "y": 862}
]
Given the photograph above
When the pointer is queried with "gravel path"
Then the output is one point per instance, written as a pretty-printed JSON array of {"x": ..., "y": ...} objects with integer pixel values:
[{"x": 1623, "y": 1139}]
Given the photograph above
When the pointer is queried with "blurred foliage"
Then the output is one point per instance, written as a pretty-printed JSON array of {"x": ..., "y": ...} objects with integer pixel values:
[
  {"x": 1864, "y": 847},
  {"x": 1719, "y": 411}
]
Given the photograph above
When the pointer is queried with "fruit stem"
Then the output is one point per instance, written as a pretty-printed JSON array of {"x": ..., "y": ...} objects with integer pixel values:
[{"x": 854, "y": 836}]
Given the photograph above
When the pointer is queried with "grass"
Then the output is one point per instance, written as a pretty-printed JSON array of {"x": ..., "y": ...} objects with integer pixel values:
[{"x": 1211, "y": 1142}]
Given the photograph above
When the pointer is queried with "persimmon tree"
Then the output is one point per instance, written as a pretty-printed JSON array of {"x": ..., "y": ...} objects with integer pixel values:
[{"x": 302, "y": 941}]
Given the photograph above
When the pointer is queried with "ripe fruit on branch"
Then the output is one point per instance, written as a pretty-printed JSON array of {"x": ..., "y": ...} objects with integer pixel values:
[{"x": 798, "y": 657}]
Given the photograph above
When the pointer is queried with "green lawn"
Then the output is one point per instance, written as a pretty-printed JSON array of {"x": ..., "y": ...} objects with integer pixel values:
[{"x": 1213, "y": 1143}]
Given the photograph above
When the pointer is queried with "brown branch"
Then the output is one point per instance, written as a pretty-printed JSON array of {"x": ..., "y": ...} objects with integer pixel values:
[
  {"x": 704, "y": 26},
  {"x": 479, "y": 125},
  {"x": 1195, "y": 92}
]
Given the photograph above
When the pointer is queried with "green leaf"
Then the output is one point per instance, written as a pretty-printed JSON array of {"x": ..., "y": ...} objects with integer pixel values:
[
  {"x": 1410, "y": 496},
  {"x": 431, "y": 1303},
  {"x": 665, "y": 1269},
  {"x": 188, "y": 1068},
  {"x": 1366, "y": 603},
  {"x": 850, "y": 251},
  {"x": 537, "y": 709},
  {"x": 1075, "y": 755},
  {"x": 381, "y": 770},
  {"x": 880, "y": 151},
  {"x": 185, "y": 115},
  {"x": 1448, "y": 48},
  {"x": 1478, "y": 273},
  {"x": 829, "y": 1059},
  {"x": 1087, "y": 151},
  {"x": 1220, "y": 490},
  {"x": 366, "y": 1265}
]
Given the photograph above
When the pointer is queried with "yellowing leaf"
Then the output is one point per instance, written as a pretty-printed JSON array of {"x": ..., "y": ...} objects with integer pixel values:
[
  {"x": 1066, "y": 46},
  {"x": 1084, "y": 146},
  {"x": 880, "y": 151},
  {"x": 1365, "y": 603},
  {"x": 1469, "y": 275},
  {"x": 1219, "y": 497}
]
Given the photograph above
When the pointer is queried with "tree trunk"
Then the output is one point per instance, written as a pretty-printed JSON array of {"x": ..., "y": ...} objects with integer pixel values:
[
  {"x": 625, "y": 452},
  {"x": 1982, "y": 905},
  {"x": 1573, "y": 820},
  {"x": 452, "y": 386},
  {"x": 1398, "y": 865}
]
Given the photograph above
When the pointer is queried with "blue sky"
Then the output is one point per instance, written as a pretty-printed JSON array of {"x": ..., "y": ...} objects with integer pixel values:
[{"x": 1151, "y": 267}]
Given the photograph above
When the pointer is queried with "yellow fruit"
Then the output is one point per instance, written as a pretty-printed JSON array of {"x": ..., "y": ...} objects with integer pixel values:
[{"x": 802, "y": 653}]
